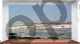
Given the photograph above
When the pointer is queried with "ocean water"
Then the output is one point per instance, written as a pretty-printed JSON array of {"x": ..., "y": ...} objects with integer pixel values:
[{"x": 42, "y": 32}]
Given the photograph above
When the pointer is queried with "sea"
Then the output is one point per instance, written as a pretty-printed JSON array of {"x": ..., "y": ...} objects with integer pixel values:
[{"x": 41, "y": 32}]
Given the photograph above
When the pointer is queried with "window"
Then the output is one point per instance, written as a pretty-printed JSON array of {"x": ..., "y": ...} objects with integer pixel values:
[{"x": 40, "y": 29}]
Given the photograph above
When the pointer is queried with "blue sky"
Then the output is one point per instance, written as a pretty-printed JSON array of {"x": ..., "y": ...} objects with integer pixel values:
[{"x": 52, "y": 12}]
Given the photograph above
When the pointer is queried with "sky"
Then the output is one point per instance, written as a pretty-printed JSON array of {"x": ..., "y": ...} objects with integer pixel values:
[{"x": 51, "y": 11}]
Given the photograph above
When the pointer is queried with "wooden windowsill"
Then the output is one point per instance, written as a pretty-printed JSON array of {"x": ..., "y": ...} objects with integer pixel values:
[{"x": 40, "y": 41}]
